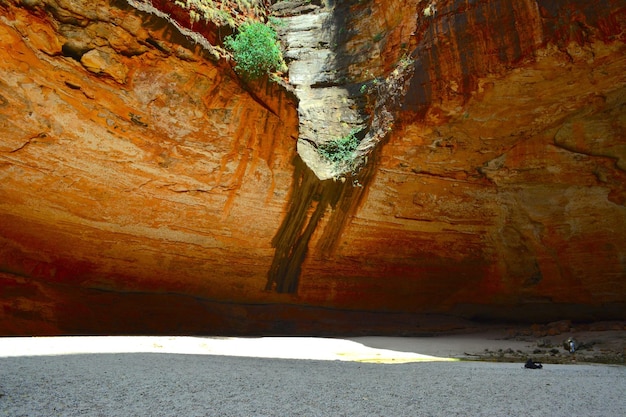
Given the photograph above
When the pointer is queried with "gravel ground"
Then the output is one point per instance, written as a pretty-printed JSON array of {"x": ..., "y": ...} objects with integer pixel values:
[{"x": 163, "y": 384}]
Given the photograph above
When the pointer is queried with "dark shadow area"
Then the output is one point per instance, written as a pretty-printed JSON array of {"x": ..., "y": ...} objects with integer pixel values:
[
  {"x": 40, "y": 308},
  {"x": 310, "y": 199}
]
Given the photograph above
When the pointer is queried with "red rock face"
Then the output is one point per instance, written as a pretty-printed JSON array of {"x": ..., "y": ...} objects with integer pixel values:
[{"x": 145, "y": 189}]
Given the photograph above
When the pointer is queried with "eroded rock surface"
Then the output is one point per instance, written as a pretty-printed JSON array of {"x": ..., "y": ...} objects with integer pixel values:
[
  {"x": 327, "y": 108},
  {"x": 146, "y": 189}
]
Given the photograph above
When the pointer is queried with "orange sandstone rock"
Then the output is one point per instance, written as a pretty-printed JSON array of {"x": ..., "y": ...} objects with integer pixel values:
[{"x": 145, "y": 189}]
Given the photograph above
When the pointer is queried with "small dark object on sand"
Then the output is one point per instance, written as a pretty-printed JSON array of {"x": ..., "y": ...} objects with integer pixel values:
[{"x": 533, "y": 365}]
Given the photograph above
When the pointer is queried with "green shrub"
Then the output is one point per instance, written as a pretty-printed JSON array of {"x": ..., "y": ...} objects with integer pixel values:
[
  {"x": 255, "y": 50},
  {"x": 341, "y": 149}
]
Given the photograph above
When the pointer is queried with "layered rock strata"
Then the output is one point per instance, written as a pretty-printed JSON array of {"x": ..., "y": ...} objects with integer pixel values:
[
  {"x": 146, "y": 189},
  {"x": 311, "y": 34},
  {"x": 331, "y": 102}
]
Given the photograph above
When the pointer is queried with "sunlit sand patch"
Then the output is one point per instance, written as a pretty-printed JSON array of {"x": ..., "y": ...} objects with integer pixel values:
[
  {"x": 395, "y": 357},
  {"x": 310, "y": 348}
]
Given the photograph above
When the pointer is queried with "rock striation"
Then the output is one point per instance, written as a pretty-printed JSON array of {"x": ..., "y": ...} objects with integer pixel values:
[
  {"x": 145, "y": 188},
  {"x": 327, "y": 109},
  {"x": 331, "y": 101}
]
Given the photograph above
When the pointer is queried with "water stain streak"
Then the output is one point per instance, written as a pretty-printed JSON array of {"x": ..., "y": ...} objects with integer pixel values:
[{"x": 309, "y": 201}]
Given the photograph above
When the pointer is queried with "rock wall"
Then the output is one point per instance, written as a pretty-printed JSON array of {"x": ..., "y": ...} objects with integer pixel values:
[
  {"x": 142, "y": 171},
  {"x": 480, "y": 190},
  {"x": 146, "y": 189},
  {"x": 327, "y": 109}
]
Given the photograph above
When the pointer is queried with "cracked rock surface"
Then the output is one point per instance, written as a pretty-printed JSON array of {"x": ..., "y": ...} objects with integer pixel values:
[{"x": 327, "y": 110}]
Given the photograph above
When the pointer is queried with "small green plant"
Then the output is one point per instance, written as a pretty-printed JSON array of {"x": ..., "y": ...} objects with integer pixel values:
[
  {"x": 255, "y": 50},
  {"x": 370, "y": 86},
  {"x": 341, "y": 149},
  {"x": 276, "y": 22}
]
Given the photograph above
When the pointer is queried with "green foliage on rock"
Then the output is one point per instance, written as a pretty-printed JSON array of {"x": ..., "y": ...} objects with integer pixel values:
[
  {"x": 255, "y": 50},
  {"x": 340, "y": 150}
]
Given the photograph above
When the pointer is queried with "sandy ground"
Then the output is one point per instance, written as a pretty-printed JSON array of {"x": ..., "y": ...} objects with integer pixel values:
[
  {"x": 511, "y": 345},
  {"x": 296, "y": 376}
]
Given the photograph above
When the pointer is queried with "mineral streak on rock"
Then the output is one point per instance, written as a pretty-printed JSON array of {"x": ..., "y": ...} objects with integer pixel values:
[
  {"x": 134, "y": 188},
  {"x": 310, "y": 199},
  {"x": 330, "y": 106},
  {"x": 145, "y": 189}
]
